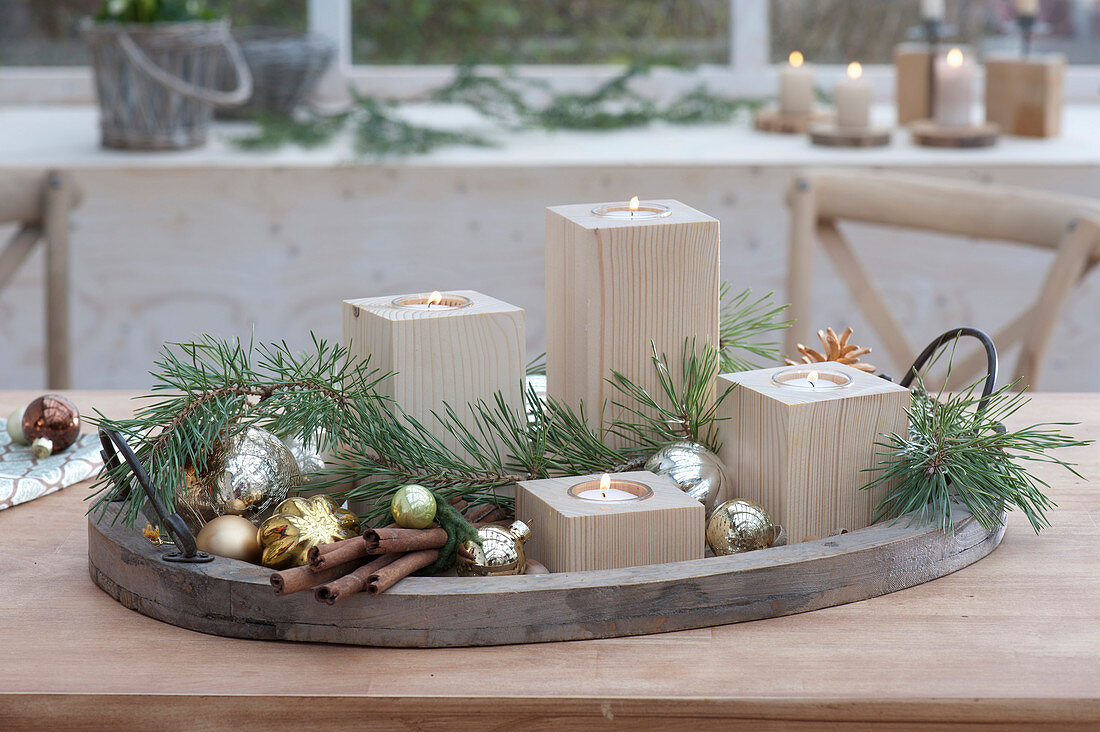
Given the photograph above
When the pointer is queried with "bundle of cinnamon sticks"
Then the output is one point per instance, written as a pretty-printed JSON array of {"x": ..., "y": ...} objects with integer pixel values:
[{"x": 373, "y": 562}]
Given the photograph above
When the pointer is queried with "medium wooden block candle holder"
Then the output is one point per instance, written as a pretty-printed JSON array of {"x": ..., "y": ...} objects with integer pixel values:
[
  {"x": 796, "y": 440},
  {"x": 1024, "y": 96},
  {"x": 458, "y": 349},
  {"x": 913, "y": 69},
  {"x": 618, "y": 278},
  {"x": 607, "y": 522}
]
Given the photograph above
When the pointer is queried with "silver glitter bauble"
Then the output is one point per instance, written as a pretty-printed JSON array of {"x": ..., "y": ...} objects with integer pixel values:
[
  {"x": 259, "y": 470},
  {"x": 693, "y": 468},
  {"x": 308, "y": 457},
  {"x": 739, "y": 526},
  {"x": 501, "y": 552}
]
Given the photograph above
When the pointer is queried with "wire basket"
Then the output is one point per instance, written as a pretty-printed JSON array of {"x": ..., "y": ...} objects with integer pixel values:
[
  {"x": 285, "y": 66},
  {"x": 156, "y": 82}
]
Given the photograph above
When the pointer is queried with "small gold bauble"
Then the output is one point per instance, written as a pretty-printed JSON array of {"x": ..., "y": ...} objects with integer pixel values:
[
  {"x": 15, "y": 428},
  {"x": 413, "y": 507},
  {"x": 302, "y": 523},
  {"x": 739, "y": 526},
  {"x": 235, "y": 507},
  {"x": 693, "y": 468},
  {"x": 234, "y": 537},
  {"x": 501, "y": 552}
]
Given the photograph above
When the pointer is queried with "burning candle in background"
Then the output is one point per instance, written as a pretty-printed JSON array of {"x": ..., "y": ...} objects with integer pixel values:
[
  {"x": 796, "y": 86},
  {"x": 932, "y": 9},
  {"x": 608, "y": 492},
  {"x": 954, "y": 90},
  {"x": 853, "y": 99},
  {"x": 632, "y": 209}
]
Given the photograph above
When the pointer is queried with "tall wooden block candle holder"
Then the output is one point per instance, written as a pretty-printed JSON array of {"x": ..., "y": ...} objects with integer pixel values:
[
  {"x": 1024, "y": 96},
  {"x": 797, "y": 439},
  {"x": 634, "y": 519},
  {"x": 913, "y": 67},
  {"x": 618, "y": 278},
  {"x": 457, "y": 351}
]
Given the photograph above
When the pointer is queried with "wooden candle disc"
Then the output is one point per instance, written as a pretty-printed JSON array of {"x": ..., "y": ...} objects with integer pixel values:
[
  {"x": 929, "y": 134},
  {"x": 831, "y": 135},
  {"x": 773, "y": 120}
]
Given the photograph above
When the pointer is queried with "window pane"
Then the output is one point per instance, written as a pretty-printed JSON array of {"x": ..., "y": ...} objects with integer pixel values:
[
  {"x": 553, "y": 32},
  {"x": 838, "y": 31},
  {"x": 47, "y": 33}
]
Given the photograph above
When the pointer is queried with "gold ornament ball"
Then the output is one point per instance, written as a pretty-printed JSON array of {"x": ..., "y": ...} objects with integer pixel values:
[
  {"x": 739, "y": 526},
  {"x": 501, "y": 552},
  {"x": 413, "y": 507},
  {"x": 300, "y": 524},
  {"x": 15, "y": 428},
  {"x": 693, "y": 468},
  {"x": 234, "y": 537}
]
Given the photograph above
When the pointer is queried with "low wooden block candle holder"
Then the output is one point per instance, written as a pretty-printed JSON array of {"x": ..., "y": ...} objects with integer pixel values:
[
  {"x": 771, "y": 119},
  {"x": 796, "y": 440},
  {"x": 927, "y": 133},
  {"x": 617, "y": 279},
  {"x": 1024, "y": 96},
  {"x": 459, "y": 350},
  {"x": 645, "y": 519}
]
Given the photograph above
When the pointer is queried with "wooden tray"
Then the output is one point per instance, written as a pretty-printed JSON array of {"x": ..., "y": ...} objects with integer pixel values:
[{"x": 231, "y": 598}]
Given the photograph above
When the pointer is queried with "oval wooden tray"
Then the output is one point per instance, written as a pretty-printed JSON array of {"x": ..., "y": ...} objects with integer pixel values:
[{"x": 231, "y": 598}]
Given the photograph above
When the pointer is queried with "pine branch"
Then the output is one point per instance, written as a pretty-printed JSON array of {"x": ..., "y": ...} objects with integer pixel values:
[{"x": 744, "y": 323}]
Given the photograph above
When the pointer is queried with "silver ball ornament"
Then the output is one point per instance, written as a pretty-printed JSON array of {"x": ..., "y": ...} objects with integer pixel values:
[
  {"x": 501, "y": 552},
  {"x": 739, "y": 526},
  {"x": 309, "y": 458},
  {"x": 693, "y": 468},
  {"x": 257, "y": 469}
]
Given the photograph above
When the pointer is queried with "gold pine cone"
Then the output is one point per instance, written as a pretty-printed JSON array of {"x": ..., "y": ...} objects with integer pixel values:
[
  {"x": 302, "y": 523},
  {"x": 836, "y": 348}
]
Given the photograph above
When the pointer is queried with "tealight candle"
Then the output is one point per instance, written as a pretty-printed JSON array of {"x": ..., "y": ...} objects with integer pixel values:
[
  {"x": 853, "y": 99},
  {"x": 633, "y": 209},
  {"x": 796, "y": 86},
  {"x": 607, "y": 492},
  {"x": 954, "y": 90},
  {"x": 436, "y": 301},
  {"x": 800, "y": 377}
]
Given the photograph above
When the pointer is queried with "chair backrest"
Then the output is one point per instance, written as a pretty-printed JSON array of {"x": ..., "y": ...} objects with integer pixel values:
[{"x": 818, "y": 199}]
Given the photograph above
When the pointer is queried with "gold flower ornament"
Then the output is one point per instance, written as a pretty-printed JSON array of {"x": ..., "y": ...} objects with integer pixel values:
[{"x": 301, "y": 523}]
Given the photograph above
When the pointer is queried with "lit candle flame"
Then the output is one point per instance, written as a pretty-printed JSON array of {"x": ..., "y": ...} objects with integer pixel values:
[
  {"x": 605, "y": 483},
  {"x": 955, "y": 58},
  {"x": 435, "y": 298},
  {"x": 634, "y": 203},
  {"x": 812, "y": 375},
  {"x": 855, "y": 70},
  {"x": 795, "y": 59}
]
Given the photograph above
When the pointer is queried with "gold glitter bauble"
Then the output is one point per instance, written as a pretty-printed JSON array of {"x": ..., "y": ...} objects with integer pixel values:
[
  {"x": 234, "y": 537},
  {"x": 739, "y": 526},
  {"x": 413, "y": 507},
  {"x": 693, "y": 468},
  {"x": 302, "y": 523},
  {"x": 501, "y": 552}
]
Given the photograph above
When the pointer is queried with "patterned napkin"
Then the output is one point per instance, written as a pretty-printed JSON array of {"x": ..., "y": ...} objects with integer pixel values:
[{"x": 22, "y": 478}]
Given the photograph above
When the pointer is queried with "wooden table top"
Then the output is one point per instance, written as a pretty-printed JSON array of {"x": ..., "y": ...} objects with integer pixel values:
[{"x": 1014, "y": 638}]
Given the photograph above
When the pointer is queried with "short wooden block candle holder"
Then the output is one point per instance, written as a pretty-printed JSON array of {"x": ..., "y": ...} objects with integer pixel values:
[
  {"x": 798, "y": 438},
  {"x": 1024, "y": 96},
  {"x": 459, "y": 350},
  {"x": 617, "y": 279},
  {"x": 646, "y": 519},
  {"x": 913, "y": 67}
]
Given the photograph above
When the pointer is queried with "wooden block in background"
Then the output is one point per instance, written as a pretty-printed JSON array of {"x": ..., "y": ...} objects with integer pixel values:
[
  {"x": 1025, "y": 96},
  {"x": 570, "y": 534},
  {"x": 913, "y": 67},
  {"x": 457, "y": 356},
  {"x": 612, "y": 285},
  {"x": 800, "y": 453}
]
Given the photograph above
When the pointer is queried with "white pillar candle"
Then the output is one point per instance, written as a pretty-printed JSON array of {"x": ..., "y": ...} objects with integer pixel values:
[
  {"x": 931, "y": 9},
  {"x": 796, "y": 86},
  {"x": 1027, "y": 7},
  {"x": 954, "y": 90},
  {"x": 853, "y": 100}
]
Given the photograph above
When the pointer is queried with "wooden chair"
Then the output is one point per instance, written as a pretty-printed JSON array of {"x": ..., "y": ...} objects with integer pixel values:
[
  {"x": 819, "y": 199},
  {"x": 40, "y": 203}
]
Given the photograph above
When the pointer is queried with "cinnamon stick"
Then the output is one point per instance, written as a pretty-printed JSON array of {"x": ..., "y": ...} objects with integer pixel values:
[
  {"x": 484, "y": 513},
  {"x": 324, "y": 556},
  {"x": 296, "y": 579},
  {"x": 389, "y": 541},
  {"x": 353, "y": 582},
  {"x": 386, "y": 577}
]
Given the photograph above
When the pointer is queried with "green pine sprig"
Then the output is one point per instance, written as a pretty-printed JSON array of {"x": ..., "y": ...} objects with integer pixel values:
[{"x": 746, "y": 327}]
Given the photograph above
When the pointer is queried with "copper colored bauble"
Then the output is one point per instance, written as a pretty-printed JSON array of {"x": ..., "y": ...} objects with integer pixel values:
[
  {"x": 501, "y": 552},
  {"x": 53, "y": 417},
  {"x": 302, "y": 523},
  {"x": 739, "y": 526},
  {"x": 234, "y": 537},
  {"x": 15, "y": 428},
  {"x": 413, "y": 507},
  {"x": 693, "y": 468}
]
